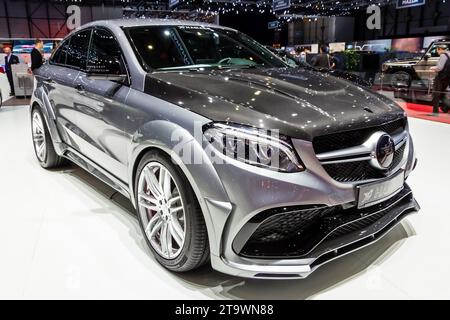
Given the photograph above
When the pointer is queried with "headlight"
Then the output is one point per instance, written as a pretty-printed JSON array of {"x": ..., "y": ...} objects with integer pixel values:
[
  {"x": 384, "y": 67},
  {"x": 261, "y": 148}
]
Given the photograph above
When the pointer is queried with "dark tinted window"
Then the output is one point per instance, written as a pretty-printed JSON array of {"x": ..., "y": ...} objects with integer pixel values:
[
  {"x": 78, "y": 49},
  {"x": 210, "y": 47},
  {"x": 60, "y": 55},
  {"x": 158, "y": 47},
  {"x": 105, "y": 56}
]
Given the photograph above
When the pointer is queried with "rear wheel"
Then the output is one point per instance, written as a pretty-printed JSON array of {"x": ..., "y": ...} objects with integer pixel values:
[
  {"x": 169, "y": 214},
  {"x": 42, "y": 142}
]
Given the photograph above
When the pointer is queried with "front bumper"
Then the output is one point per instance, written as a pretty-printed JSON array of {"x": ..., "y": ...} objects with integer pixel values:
[
  {"x": 253, "y": 191},
  {"x": 341, "y": 241}
]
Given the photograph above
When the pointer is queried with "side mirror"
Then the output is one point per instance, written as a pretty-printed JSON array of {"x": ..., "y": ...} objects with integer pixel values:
[
  {"x": 111, "y": 71},
  {"x": 427, "y": 56},
  {"x": 122, "y": 78}
]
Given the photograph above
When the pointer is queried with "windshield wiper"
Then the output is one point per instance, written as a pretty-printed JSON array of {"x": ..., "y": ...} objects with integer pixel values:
[
  {"x": 201, "y": 67},
  {"x": 192, "y": 67},
  {"x": 248, "y": 66}
]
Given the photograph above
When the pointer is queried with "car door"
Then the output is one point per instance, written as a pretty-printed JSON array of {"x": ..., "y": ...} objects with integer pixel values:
[
  {"x": 58, "y": 79},
  {"x": 423, "y": 68},
  {"x": 101, "y": 92}
]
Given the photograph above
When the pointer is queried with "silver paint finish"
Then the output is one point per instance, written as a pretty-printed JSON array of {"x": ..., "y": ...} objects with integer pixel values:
[{"x": 107, "y": 128}]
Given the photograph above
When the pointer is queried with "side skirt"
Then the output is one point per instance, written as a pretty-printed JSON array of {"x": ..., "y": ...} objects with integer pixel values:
[{"x": 96, "y": 171}]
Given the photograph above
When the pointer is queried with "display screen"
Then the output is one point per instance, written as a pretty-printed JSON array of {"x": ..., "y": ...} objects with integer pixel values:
[
  {"x": 407, "y": 44},
  {"x": 26, "y": 46}
]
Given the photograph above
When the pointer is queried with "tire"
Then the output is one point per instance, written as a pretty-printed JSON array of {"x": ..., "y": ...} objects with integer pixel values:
[
  {"x": 176, "y": 256},
  {"x": 47, "y": 157}
]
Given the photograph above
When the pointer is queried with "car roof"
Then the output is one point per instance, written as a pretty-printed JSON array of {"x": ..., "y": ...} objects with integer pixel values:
[{"x": 137, "y": 22}]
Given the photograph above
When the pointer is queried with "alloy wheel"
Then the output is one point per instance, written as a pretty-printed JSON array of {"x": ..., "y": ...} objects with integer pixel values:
[
  {"x": 39, "y": 136},
  {"x": 162, "y": 210}
]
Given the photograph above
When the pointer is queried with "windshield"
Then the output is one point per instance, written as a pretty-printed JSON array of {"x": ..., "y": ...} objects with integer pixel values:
[
  {"x": 432, "y": 51},
  {"x": 181, "y": 47}
]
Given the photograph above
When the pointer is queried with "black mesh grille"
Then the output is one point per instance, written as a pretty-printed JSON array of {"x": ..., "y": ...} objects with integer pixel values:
[
  {"x": 294, "y": 233},
  {"x": 347, "y": 139},
  {"x": 361, "y": 170},
  {"x": 282, "y": 226}
]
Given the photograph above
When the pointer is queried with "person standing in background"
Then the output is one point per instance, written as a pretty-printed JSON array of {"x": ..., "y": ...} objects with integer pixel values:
[
  {"x": 322, "y": 60},
  {"x": 442, "y": 80},
  {"x": 55, "y": 46},
  {"x": 302, "y": 55},
  {"x": 337, "y": 62},
  {"x": 37, "y": 59},
  {"x": 10, "y": 59}
]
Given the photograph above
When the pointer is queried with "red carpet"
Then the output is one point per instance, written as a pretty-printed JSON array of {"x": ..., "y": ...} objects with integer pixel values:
[{"x": 422, "y": 111}]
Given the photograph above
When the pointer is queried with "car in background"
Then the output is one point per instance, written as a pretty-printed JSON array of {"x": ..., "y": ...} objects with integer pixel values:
[
  {"x": 413, "y": 78},
  {"x": 228, "y": 154}
]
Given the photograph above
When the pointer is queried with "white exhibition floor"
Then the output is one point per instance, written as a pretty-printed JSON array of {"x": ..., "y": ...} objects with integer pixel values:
[{"x": 62, "y": 237}]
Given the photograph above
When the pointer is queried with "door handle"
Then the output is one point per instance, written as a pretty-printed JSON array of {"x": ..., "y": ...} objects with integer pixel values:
[{"x": 80, "y": 88}]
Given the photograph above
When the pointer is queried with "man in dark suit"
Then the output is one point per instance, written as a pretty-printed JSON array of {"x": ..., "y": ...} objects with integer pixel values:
[
  {"x": 10, "y": 59},
  {"x": 37, "y": 60}
]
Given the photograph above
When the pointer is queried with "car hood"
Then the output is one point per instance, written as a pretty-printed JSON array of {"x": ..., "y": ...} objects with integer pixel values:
[
  {"x": 299, "y": 103},
  {"x": 403, "y": 62}
]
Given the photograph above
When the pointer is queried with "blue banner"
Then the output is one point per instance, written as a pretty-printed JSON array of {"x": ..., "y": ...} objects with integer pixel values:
[
  {"x": 273, "y": 25},
  {"x": 409, "y": 3},
  {"x": 281, "y": 5}
]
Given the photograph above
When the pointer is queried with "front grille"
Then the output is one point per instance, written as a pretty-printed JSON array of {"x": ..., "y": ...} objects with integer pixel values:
[
  {"x": 295, "y": 233},
  {"x": 398, "y": 156},
  {"x": 361, "y": 170},
  {"x": 347, "y": 139}
]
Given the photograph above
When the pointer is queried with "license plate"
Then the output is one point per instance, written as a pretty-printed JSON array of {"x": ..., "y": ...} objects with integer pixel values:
[{"x": 373, "y": 193}]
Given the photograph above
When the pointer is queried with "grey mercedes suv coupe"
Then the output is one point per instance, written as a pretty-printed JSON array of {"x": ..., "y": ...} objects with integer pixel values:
[{"x": 227, "y": 153}]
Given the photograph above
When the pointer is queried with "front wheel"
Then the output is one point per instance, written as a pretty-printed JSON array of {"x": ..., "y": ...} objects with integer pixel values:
[{"x": 169, "y": 214}]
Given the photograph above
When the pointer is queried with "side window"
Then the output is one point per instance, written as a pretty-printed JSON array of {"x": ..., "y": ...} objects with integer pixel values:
[
  {"x": 105, "y": 56},
  {"x": 157, "y": 47},
  {"x": 59, "y": 57},
  {"x": 78, "y": 50},
  {"x": 433, "y": 52}
]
